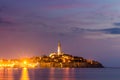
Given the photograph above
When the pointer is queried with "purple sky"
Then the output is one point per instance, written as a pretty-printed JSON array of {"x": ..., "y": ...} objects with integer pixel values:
[{"x": 87, "y": 28}]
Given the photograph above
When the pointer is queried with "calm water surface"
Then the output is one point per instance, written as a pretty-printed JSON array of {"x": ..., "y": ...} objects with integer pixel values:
[{"x": 60, "y": 74}]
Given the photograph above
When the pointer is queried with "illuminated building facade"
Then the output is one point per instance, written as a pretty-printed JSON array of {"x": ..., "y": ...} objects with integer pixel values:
[
  {"x": 59, "y": 48},
  {"x": 59, "y": 51}
]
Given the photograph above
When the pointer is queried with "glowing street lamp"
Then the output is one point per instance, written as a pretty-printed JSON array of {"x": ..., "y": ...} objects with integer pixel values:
[{"x": 25, "y": 62}]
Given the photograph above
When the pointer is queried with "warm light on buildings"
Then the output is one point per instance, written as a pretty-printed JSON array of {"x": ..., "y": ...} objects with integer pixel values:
[
  {"x": 25, "y": 62},
  {"x": 55, "y": 59}
]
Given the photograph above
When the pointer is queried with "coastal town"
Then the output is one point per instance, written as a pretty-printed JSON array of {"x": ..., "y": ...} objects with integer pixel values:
[{"x": 57, "y": 59}]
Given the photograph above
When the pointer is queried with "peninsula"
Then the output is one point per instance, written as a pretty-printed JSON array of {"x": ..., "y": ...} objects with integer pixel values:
[
  {"x": 57, "y": 59},
  {"x": 61, "y": 60}
]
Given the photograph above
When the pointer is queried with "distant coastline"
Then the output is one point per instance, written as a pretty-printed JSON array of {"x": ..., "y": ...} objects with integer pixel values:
[
  {"x": 61, "y": 61},
  {"x": 57, "y": 59}
]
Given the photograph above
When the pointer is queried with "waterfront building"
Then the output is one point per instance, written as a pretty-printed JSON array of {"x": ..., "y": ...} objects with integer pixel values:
[{"x": 59, "y": 51}]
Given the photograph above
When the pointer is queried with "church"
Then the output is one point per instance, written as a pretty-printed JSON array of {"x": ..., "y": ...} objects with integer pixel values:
[
  {"x": 59, "y": 51},
  {"x": 59, "y": 59}
]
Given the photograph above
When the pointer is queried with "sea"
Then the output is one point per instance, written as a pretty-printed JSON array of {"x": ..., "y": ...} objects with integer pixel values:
[{"x": 60, "y": 74}]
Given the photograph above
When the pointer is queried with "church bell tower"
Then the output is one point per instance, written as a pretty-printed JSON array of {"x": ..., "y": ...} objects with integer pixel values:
[{"x": 59, "y": 48}]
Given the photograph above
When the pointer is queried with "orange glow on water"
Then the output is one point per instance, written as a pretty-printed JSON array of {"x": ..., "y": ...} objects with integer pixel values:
[
  {"x": 10, "y": 73},
  {"x": 6, "y": 74},
  {"x": 24, "y": 75},
  {"x": 52, "y": 73}
]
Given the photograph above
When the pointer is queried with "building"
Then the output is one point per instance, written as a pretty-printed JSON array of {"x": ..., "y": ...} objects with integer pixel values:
[{"x": 59, "y": 51}]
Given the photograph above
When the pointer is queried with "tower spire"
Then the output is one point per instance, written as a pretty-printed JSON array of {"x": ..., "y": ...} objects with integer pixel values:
[{"x": 59, "y": 48}]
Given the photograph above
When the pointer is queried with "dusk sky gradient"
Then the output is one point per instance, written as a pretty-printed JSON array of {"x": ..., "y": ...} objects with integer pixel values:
[{"x": 87, "y": 28}]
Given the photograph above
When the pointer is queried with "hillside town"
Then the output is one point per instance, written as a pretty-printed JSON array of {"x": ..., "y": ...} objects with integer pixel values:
[{"x": 55, "y": 60}]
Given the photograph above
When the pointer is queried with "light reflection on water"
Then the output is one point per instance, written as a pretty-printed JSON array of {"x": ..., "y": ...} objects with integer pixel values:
[
  {"x": 1, "y": 73},
  {"x": 59, "y": 74},
  {"x": 24, "y": 75},
  {"x": 6, "y": 74},
  {"x": 35, "y": 74},
  {"x": 67, "y": 72},
  {"x": 52, "y": 72}
]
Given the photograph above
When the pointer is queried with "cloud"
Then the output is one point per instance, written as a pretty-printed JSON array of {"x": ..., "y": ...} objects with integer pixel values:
[
  {"x": 77, "y": 30},
  {"x": 5, "y": 17},
  {"x": 69, "y": 6},
  {"x": 116, "y": 24},
  {"x": 111, "y": 30},
  {"x": 68, "y": 19},
  {"x": 97, "y": 35},
  {"x": 106, "y": 31},
  {"x": 3, "y": 7},
  {"x": 0, "y": 9},
  {"x": 5, "y": 21}
]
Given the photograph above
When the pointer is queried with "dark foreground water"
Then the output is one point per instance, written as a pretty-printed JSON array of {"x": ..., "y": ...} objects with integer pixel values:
[{"x": 60, "y": 74}]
